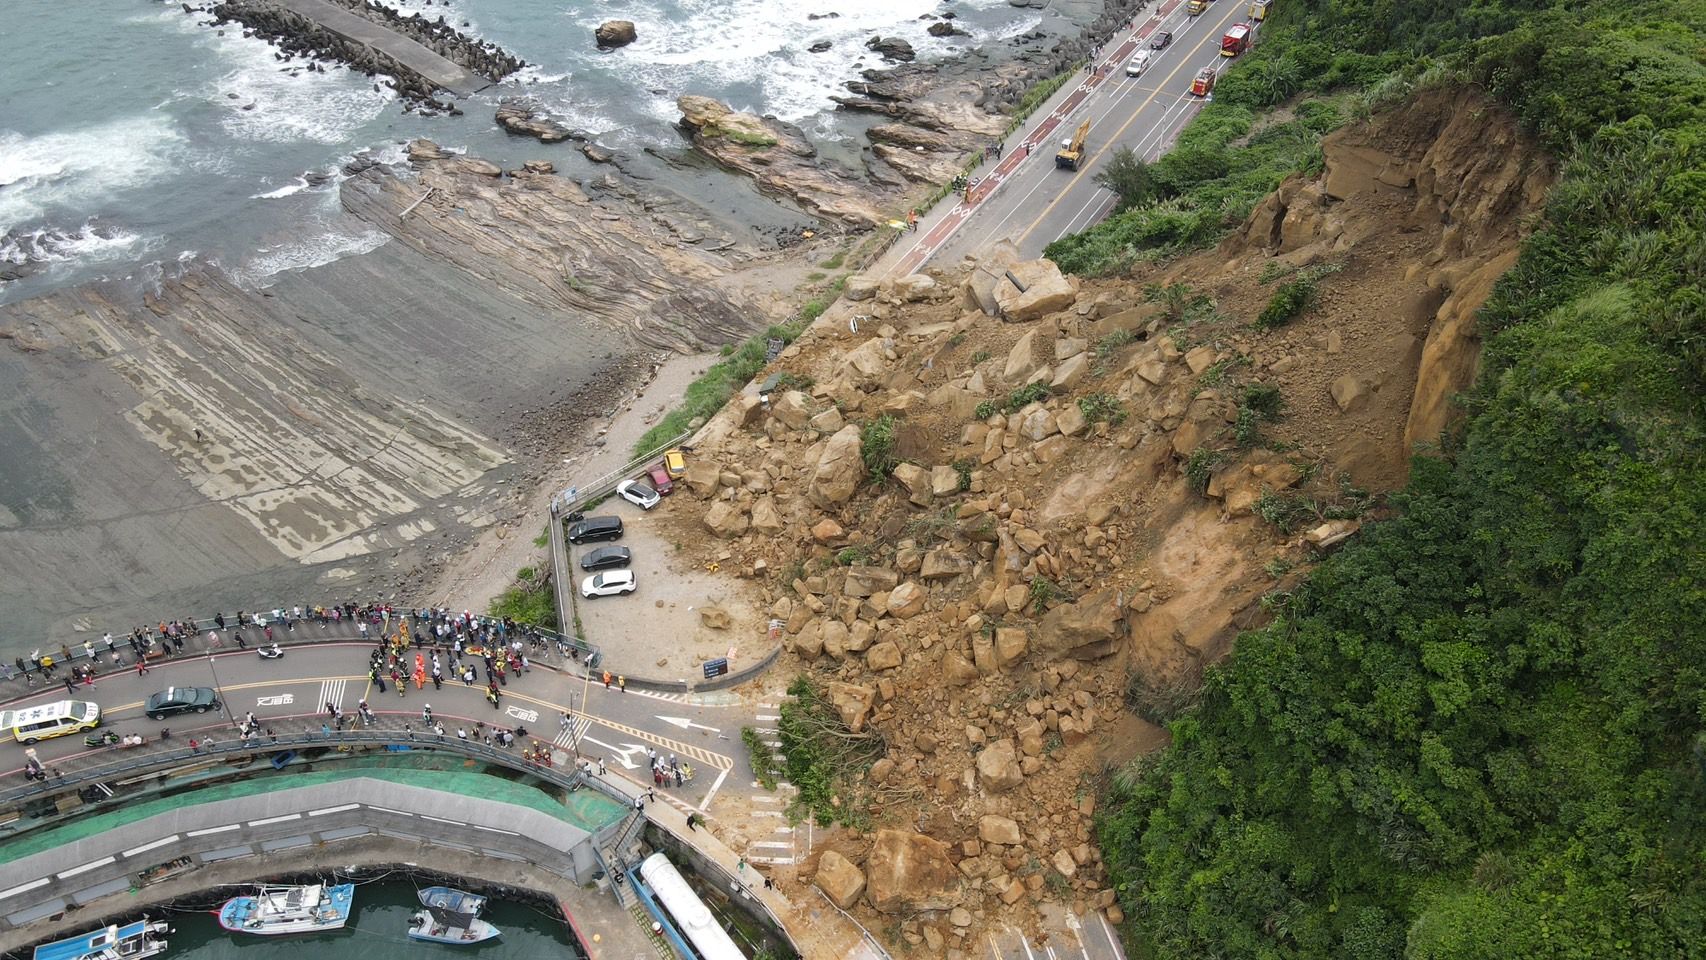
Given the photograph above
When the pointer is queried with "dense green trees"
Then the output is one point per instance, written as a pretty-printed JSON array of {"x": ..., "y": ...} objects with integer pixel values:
[{"x": 1478, "y": 731}]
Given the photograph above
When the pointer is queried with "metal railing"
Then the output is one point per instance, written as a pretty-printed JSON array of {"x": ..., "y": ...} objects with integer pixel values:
[
  {"x": 162, "y": 754},
  {"x": 574, "y": 497},
  {"x": 306, "y": 631}
]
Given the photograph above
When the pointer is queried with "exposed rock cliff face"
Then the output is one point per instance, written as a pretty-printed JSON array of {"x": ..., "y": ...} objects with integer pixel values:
[{"x": 1451, "y": 164}]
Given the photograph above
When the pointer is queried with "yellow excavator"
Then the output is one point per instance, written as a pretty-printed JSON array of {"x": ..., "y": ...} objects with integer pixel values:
[{"x": 1071, "y": 151}]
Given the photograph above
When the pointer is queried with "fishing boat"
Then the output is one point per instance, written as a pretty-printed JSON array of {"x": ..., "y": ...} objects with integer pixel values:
[
  {"x": 451, "y": 916},
  {"x": 144, "y": 938},
  {"x": 279, "y": 910}
]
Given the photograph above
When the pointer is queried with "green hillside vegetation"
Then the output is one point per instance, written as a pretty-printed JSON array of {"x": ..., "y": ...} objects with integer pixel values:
[{"x": 1477, "y": 730}]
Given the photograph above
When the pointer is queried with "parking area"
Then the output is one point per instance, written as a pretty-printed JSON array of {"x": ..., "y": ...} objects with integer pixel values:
[{"x": 657, "y": 632}]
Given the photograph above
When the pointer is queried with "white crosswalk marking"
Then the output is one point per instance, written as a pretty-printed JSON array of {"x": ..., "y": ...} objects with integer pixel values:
[
  {"x": 332, "y": 692},
  {"x": 570, "y": 736}
]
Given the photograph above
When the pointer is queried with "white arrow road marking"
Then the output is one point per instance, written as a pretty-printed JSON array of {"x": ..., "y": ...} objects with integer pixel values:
[
  {"x": 621, "y": 753},
  {"x": 687, "y": 724}
]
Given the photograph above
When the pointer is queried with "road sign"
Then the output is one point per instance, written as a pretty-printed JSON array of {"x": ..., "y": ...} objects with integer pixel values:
[{"x": 716, "y": 668}]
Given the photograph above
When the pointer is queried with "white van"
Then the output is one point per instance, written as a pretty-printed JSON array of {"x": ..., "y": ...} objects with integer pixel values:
[
  {"x": 1138, "y": 63},
  {"x": 49, "y": 720}
]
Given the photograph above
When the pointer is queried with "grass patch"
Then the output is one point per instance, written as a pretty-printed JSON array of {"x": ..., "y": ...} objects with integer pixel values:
[
  {"x": 876, "y": 448},
  {"x": 706, "y": 395},
  {"x": 766, "y": 765},
  {"x": 1108, "y": 345},
  {"x": 1199, "y": 467},
  {"x": 1099, "y": 407},
  {"x": 529, "y": 601}
]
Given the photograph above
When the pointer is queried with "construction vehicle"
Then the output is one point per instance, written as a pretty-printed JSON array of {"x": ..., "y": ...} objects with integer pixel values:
[
  {"x": 1259, "y": 10},
  {"x": 1203, "y": 85},
  {"x": 1236, "y": 40},
  {"x": 1071, "y": 151}
]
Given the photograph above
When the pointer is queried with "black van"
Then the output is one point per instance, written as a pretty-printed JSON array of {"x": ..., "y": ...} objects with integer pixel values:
[{"x": 593, "y": 529}]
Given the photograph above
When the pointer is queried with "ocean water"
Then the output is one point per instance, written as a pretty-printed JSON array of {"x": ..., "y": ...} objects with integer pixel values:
[
  {"x": 378, "y": 931},
  {"x": 133, "y": 139}
]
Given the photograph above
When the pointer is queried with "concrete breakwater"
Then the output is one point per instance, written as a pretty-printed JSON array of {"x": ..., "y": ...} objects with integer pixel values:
[{"x": 422, "y": 57}]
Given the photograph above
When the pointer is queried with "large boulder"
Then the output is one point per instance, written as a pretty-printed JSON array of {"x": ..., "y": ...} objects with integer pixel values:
[
  {"x": 860, "y": 287},
  {"x": 915, "y": 287},
  {"x": 998, "y": 767},
  {"x": 703, "y": 477},
  {"x": 1088, "y": 628},
  {"x": 614, "y": 33},
  {"x": 892, "y": 48},
  {"x": 908, "y": 872},
  {"x": 715, "y": 618},
  {"x": 839, "y": 879},
  {"x": 726, "y": 520},
  {"x": 1041, "y": 290},
  {"x": 766, "y": 519},
  {"x": 906, "y": 601},
  {"x": 1025, "y": 357},
  {"x": 864, "y": 582},
  {"x": 944, "y": 563},
  {"x": 998, "y": 829},
  {"x": 794, "y": 409},
  {"x": 838, "y": 469},
  {"x": 522, "y": 116},
  {"x": 853, "y": 703}
]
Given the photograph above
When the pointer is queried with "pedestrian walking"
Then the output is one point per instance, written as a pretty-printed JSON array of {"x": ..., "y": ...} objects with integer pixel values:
[
  {"x": 621, "y": 684},
  {"x": 141, "y": 667},
  {"x": 601, "y": 767},
  {"x": 70, "y": 684},
  {"x": 564, "y": 723},
  {"x": 912, "y": 219},
  {"x": 426, "y": 713},
  {"x": 607, "y": 679},
  {"x": 693, "y": 821}
]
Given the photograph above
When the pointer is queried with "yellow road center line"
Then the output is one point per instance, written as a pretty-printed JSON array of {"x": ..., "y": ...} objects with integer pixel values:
[{"x": 1113, "y": 140}]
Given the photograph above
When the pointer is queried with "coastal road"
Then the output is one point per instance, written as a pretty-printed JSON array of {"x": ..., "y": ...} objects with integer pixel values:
[
  {"x": 1024, "y": 197},
  {"x": 290, "y": 695}
]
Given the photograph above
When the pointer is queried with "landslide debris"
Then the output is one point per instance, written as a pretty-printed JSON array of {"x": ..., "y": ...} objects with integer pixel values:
[{"x": 1005, "y": 529}]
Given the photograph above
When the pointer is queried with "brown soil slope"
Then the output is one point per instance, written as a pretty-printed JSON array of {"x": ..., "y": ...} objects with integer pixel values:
[{"x": 1032, "y": 582}]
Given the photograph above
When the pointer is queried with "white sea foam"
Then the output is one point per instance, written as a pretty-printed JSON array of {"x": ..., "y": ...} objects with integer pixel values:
[
  {"x": 763, "y": 44},
  {"x": 91, "y": 244},
  {"x": 82, "y": 168},
  {"x": 298, "y": 186},
  {"x": 314, "y": 251},
  {"x": 280, "y": 102}
]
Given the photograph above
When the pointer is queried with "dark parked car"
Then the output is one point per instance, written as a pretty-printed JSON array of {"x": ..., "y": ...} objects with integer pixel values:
[
  {"x": 175, "y": 700},
  {"x": 593, "y": 529},
  {"x": 1160, "y": 40},
  {"x": 605, "y": 558}
]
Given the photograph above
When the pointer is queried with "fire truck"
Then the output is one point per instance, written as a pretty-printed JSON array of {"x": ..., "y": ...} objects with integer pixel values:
[
  {"x": 1236, "y": 41},
  {"x": 1203, "y": 85}
]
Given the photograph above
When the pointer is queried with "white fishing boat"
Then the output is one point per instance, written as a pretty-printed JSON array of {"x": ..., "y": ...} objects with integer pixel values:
[
  {"x": 279, "y": 910},
  {"x": 451, "y": 916},
  {"x": 131, "y": 941}
]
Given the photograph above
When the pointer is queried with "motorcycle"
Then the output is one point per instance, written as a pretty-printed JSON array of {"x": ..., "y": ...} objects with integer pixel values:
[
  {"x": 105, "y": 739},
  {"x": 270, "y": 653}
]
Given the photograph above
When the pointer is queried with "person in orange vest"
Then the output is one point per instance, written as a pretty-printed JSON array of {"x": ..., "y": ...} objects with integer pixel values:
[
  {"x": 912, "y": 219},
  {"x": 607, "y": 679}
]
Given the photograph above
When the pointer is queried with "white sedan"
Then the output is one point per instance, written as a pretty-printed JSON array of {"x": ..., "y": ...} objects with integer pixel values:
[
  {"x": 609, "y": 583},
  {"x": 638, "y": 494}
]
